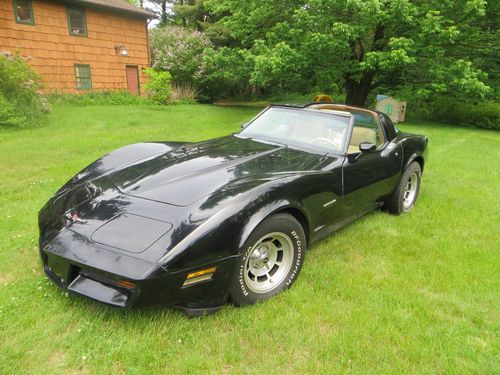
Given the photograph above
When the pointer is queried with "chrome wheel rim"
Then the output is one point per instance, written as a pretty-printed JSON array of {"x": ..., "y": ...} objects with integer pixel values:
[
  {"x": 268, "y": 262},
  {"x": 410, "y": 191}
]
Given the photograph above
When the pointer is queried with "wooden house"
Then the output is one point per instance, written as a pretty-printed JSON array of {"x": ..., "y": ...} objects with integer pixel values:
[{"x": 79, "y": 45}]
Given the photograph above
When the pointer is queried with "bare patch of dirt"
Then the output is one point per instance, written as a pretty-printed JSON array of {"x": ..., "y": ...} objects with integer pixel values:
[
  {"x": 56, "y": 359},
  {"x": 6, "y": 278}
]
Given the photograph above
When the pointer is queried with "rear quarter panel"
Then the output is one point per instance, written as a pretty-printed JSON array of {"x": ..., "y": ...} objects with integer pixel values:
[{"x": 414, "y": 148}]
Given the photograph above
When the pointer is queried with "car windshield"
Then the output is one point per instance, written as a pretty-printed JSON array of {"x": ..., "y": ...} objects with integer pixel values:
[{"x": 300, "y": 127}]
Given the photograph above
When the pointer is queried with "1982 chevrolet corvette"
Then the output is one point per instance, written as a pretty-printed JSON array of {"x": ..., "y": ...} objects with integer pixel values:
[{"x": 196, "y": 224}]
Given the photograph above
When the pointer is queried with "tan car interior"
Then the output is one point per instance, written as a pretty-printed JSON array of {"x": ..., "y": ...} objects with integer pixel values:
[
  {"x": 360, "y": 135},
  {"x": 370, "y": 131}
]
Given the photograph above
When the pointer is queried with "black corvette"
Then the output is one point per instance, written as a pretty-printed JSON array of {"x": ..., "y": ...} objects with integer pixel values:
[{"x": 195, "y": 224}]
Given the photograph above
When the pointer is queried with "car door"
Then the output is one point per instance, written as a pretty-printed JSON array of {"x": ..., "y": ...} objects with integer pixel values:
[{"x": 369, "y": 176}]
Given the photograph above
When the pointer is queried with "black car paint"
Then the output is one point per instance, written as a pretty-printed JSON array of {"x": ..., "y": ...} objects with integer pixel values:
[{"x": 192, "y": 205}]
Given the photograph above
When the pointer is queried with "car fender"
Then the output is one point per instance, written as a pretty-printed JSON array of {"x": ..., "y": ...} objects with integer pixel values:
[
  {"x": 263, "y": 213},
  {"x": 223, "y": 221},
  {"x": 410, "y": 160},
  {"x": 414, "y": 155},
  {"x": 414, "y": 146}
]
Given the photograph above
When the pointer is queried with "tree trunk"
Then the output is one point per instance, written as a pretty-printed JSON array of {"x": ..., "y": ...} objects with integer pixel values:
[
  {"x": 163, "y": 19},
  {"x": 357, "y": 91},
  {"x": 184, "y": 22}
]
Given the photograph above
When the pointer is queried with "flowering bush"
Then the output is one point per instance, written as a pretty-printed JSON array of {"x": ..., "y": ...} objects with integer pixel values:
[
  {"x": 178, "y": 51},
  {"x": 21, "y": 101}
]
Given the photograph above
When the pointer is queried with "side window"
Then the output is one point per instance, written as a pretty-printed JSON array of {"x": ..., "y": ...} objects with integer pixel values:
[
  {"x": 77, "y": 22},
  {"x": 390, "y": 128},
  {"x": 23, "y": 11},
  {"x": 367, "y": 128},
  {"x": 82, "y": 76}
]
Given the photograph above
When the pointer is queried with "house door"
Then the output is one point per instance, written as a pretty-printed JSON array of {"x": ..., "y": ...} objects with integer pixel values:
[{"x": 133, "y": 79}]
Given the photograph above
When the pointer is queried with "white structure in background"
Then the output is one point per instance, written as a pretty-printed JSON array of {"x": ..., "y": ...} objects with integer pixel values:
[{"x": 393, "y": 108}]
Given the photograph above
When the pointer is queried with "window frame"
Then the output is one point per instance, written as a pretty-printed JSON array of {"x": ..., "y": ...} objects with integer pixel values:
[
  {"x": 30, "y": 3},
  {"x": 291, "y": 142},
  {"x": 389, "y": 127},
  {"x": 381, "y": 128},
  {"x": 77, "y": 77},
  {"x": 84, "y": 12}
]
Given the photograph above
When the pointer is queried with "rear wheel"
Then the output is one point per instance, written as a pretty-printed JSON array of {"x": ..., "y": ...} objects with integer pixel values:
[
  {"x": 403, "y": 198},
  {"x": 271, "y": 260}
]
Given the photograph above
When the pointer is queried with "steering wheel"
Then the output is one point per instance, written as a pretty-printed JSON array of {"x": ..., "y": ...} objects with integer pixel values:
[{"x": 322, "y": 140}]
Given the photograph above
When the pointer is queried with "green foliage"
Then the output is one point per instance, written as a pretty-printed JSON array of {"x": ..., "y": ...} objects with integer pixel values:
[
  {"x": 224, "y": 73},
  {"x": 178, "y": 51},
  {"x": 8, "y": 115},
  {"x": 461, "y": 113},
  {"x": 21, "y": 101},
  {"x": 194, "y": 14},
  {"x": 357, "y": 45},
  {"x": 478, "y": 41},
  {"x": 97, "y": 98},
  {"x": 158, "y": 86}
]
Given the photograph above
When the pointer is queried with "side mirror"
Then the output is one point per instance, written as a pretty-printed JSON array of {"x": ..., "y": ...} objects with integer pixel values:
[
  {"x": 367, "y": 147},
  {"x": 244, "y": 125}
]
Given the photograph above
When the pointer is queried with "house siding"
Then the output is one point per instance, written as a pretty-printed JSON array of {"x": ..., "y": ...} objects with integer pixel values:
[{"x": 54, "y": 52}]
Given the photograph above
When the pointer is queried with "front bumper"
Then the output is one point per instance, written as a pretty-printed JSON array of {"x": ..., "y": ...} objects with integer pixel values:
[{"x": 84, "y": 268}]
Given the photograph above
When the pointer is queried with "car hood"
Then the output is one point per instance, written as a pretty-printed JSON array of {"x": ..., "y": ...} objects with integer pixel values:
[
  {"x": 192, "y": 172},
  {"x": 145, "y": 208}
]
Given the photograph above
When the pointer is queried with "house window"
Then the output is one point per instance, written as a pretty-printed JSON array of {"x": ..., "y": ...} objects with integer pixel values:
[
  {"x": 82, "y": 76},
  {"x": 23, "y": 12},
  {"x": 76, "y": 21}
]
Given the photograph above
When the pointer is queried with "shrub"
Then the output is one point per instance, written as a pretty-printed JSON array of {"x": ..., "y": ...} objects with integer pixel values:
[
  {"x": 481, "y": 115},
  {"x": 159, "y": 86},
  {"x": 178, "y": 51},
  {"x": 183, "y": 93},
  {"x": 225, "y": 73},
  {"x": 21, "y": 101},
  {"x": 8, "y": 116},
  {"x": 97, "y": 98},
  {"x": 461, "y": 113}
]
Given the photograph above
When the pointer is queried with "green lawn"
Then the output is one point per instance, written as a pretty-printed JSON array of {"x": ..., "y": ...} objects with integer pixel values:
[{"x": 417, "y": 293}]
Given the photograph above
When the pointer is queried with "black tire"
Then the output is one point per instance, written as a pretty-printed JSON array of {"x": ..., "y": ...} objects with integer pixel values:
[
  {"x": 280, "y": 230},
  {"x": 398, "y": 201}
]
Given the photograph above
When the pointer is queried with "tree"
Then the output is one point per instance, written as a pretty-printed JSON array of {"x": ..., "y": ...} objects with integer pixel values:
[
  {"x": 171, "y": 11},
  {"x": 162, "y": 8},
  {"x": 195, "y": 15},
  {"x": 358, "y": 45}
]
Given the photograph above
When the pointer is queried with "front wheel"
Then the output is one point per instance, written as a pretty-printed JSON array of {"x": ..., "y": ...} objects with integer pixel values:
[
  {"x": 271, "y": 260},
  {"x": 403, "y": 198}
]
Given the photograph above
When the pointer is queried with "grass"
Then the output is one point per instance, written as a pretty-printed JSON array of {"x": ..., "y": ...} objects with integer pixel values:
[{"x": 417, "y": 293}]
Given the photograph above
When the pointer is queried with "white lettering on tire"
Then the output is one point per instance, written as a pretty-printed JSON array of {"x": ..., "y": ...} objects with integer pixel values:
[{"x": 293, "y": 273}]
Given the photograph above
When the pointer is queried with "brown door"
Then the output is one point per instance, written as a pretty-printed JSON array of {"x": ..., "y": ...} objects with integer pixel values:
[{"x": 133, "y": 79}]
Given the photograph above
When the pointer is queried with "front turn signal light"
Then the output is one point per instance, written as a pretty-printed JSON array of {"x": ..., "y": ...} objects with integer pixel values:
[
  {"x": 126, "y": 284},
  {"x": 199, "y": 276}
]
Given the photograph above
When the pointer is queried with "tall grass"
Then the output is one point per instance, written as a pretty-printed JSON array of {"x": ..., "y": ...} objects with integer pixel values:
[{"x": 183, "y": 93}]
